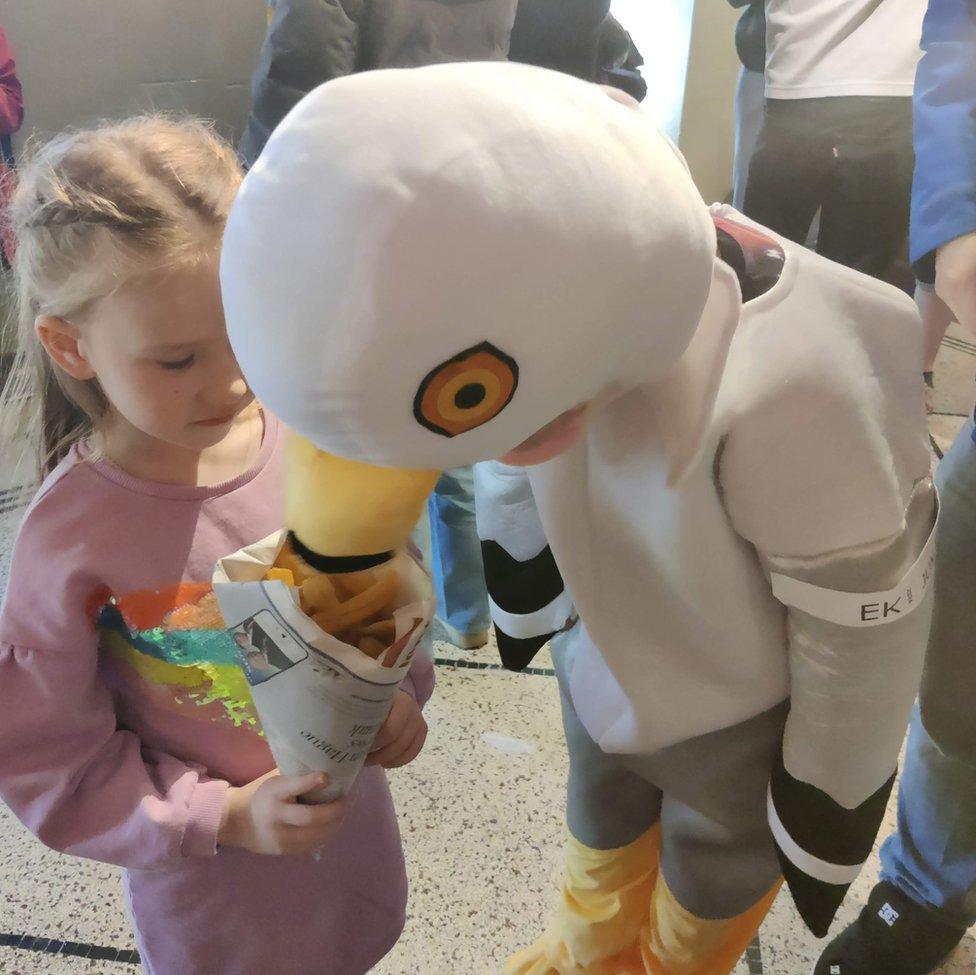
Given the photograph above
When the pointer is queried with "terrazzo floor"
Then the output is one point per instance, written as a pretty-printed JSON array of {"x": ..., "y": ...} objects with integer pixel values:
[{"x": 481, "y": 814}]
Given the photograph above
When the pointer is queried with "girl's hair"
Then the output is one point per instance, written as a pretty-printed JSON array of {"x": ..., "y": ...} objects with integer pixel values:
[{"x": 93, "y": 210}]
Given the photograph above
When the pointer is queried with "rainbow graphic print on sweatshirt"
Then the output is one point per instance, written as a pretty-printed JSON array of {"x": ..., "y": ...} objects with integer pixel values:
[{"x": 174, "y": 639}]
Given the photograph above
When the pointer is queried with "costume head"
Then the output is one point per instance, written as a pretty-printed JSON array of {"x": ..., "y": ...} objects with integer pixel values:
[{"x": 427, "y": 266}]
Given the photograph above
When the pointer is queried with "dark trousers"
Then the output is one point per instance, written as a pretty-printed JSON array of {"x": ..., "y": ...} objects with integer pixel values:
[{"x": 852, "y": 159}]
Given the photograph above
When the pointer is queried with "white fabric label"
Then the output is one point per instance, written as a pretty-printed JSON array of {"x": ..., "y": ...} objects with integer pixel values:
[{"x": 862, "y": 609}]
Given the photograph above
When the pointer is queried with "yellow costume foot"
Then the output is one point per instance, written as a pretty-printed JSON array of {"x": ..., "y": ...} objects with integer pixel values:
[
  {"x": 604, "y": 904},
  {"x": 617, "y": 916},
  {"x": 675, "y": 942}
]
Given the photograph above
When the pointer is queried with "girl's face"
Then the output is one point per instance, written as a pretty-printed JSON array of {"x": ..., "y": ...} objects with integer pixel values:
[{"x": 159, "y": 350}]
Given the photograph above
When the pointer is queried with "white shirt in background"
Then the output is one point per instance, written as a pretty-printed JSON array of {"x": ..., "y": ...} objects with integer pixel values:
[{"x": 825, "y": 48}]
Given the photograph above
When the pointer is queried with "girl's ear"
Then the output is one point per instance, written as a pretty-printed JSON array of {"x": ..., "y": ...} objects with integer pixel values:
[{"x": 60, "y": 340}]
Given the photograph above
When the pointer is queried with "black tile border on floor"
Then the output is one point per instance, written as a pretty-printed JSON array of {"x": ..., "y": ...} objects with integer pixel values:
[
  {"x": 14, "y": 500},
  {"x": 482, "y": 665},
  {"x": 959, "y": 345},
  {"x": 74, "y": 949},
  {"x": 753, "y": 957},
  {"x": 129, "y": 956}
]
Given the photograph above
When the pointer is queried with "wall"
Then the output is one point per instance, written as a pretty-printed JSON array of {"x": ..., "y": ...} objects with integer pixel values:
[
  {"x": 661, "y": 29},
  {"x": 691, "y": 69},
  {"x": 82, "y": 60},
  {"x": 707, "y": 123}
]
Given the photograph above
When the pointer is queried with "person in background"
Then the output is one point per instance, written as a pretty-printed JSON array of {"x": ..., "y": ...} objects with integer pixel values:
[
  {"x": 11, "y": 119},
  {"x": 926, "y": 898},
  {"x": 310, "y": 42},
  {"x": 11, "y": 98},
  {"x": 620, "y": 61},
  {"x": 943, "y": 222},
  {"x": 837, "y": 130},
  {"x": 750, "y": 90},
  {"x": 577, "y": 37}
]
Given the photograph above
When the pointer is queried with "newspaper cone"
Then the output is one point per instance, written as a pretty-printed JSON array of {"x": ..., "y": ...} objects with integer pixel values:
[{"x": 321, "y": 701}]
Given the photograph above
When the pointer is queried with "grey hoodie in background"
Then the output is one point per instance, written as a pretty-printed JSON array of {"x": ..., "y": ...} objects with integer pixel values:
[{"x": 310, "y": 42}]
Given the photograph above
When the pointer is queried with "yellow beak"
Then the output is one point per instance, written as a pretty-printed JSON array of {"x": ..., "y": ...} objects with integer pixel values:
[{"x": 344, "y": 516}]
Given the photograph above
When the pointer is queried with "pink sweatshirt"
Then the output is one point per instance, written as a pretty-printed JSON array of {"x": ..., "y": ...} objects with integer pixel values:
[{"x": 124, "y": 716}]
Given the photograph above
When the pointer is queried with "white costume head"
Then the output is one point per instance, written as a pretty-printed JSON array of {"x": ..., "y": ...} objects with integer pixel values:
[{"x": 426, "y": 266}]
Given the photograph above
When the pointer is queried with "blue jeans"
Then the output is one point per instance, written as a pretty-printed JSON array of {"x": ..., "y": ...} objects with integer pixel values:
[
  {"x": 932, "y": 857},
  {"x": 455, "y": 554}
]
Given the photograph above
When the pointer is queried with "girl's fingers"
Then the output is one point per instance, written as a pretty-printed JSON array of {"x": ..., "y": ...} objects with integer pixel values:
[
  {"x": 260, "y": 781},
  {"x": 397, "y": 724},
  {"x": 312, "y": 817},
  {"x": 416, "y": 747},
  {"x": 387, "y": 736},
  {"x": 401, "y": 751},
  {"x": 384, "y": 755},
  {"x": 390, "y": 749},
  {"x": 289, "y": 788}
]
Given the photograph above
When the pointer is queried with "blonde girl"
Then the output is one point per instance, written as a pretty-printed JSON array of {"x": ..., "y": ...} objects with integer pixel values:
[{"x": 126, "y": 731}]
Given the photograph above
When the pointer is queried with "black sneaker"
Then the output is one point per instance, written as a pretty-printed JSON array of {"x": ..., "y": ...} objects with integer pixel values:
[{"x": 892, "y": 936}]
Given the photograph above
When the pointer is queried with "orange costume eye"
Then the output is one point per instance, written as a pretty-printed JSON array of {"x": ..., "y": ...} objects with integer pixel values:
[{"x": 466, "y": 391}]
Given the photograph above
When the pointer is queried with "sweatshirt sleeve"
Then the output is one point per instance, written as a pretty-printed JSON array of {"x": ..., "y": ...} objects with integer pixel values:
[
  {"x": 76, "y": 779},
  {"x": 827, "y": 477}
]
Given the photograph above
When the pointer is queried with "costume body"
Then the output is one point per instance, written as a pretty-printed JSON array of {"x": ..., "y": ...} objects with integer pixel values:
[
  {"x": 682, "y": 638},
  {"x": 747, "y": 515}
]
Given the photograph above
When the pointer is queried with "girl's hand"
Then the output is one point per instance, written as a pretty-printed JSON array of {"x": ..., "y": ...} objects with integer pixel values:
[
  {"x": 264, "y": 816},
  {"x": 402, "y": 736}
]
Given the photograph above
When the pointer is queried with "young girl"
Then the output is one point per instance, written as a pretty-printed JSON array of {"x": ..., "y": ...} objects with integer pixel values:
[{"x": 126, "y": 730}]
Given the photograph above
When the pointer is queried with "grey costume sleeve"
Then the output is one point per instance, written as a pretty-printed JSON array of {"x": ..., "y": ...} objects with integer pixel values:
[
  {"x": 846, "y": 538},
  {"x": 528, "y": 600},
  {"x": 852, "y": 692},
  {"x": 308, "y": 43}
]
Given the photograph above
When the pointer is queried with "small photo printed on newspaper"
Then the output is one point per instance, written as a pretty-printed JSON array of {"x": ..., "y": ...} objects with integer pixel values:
[{"x": 265, "y": 648}]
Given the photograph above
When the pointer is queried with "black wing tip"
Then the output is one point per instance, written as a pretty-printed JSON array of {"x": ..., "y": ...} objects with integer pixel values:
[
  {"x": 517, "y": 654},
  {"x": 816, "y": 902}
]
